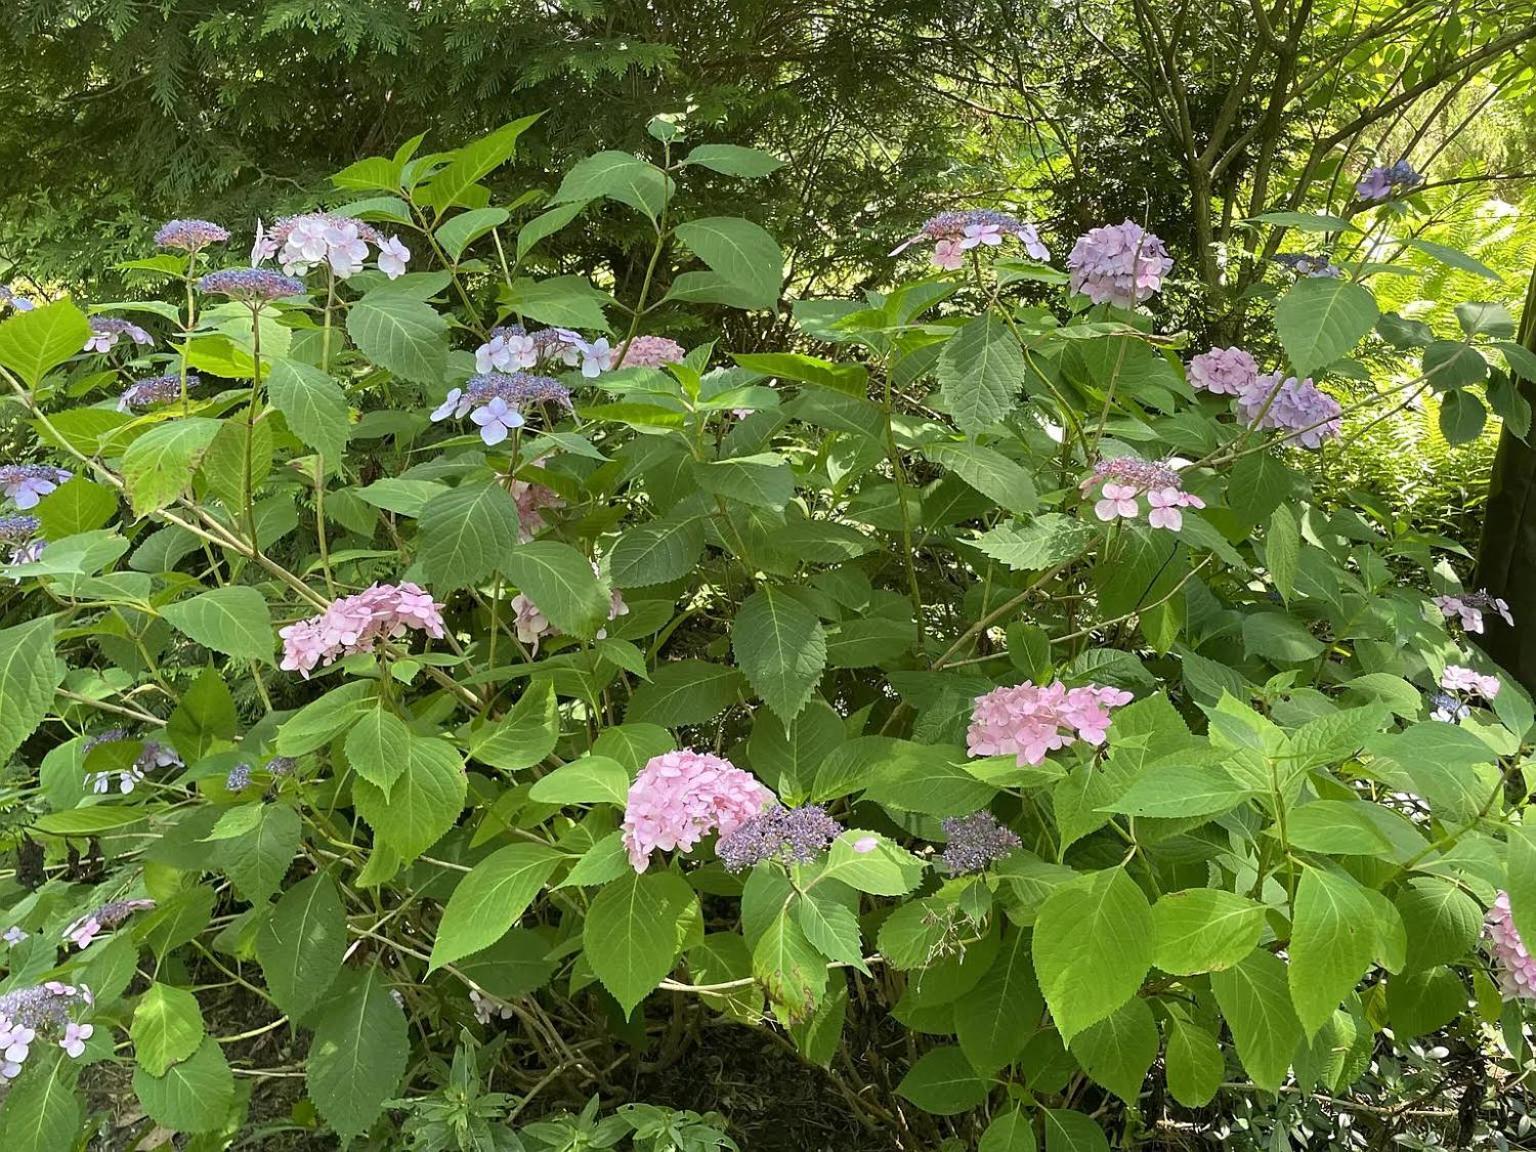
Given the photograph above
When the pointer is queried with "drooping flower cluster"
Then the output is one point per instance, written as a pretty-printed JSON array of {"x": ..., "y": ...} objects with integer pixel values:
[
  {"x": 1306, "y": 264},
  {"x": 1223, "y": 371},
  {"x": 681, "y": 797},
  {"x": 1119, "y": 264},
  {"x": 1383, "y": 181},
  {"x": 26, "y": 484},
  {"x": 1470, "y": 606},
  {"x": 956, "y": 233},
  {"x": 190, "y": 235},
  {"x": 356, "y": 623},
  {"x": 301, "y": 243},
  {"x": 532, "y": 500},
  {"x": 21, "y": 533},
  {"x": 1295, "y": 406},
  {"x": 84, "y": 930},
  {"x": 155, "y": 390},
  {"x": 27, "y": 1013},
  {"x": 1513, "y": 966},
  {"x": 1029, "y": 720},
  {"x": 974, "y": 842},
  {"x": 251, "y": 286},
  {"x": 790, "y": 835},
  {"x": 1122, "y": 479},
  {"x": 496, "y": 401},
  {"x": 9, "y": 298},
  {"x": 106, "y": 331},
  {"x": 152, "y": 754},
  {"x": 651, "y": 352}
]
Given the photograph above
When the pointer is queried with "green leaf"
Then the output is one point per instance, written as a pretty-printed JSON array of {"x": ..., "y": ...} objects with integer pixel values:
[
  {"x": 158, "y": 466},
  {"x": 981, "y": 373},
  {"x": 1322, "y": 319},
  {"x": 300, "y": 945},
  {"x": 563, "y": 301},
  {"x": 1118, "y": 1051},
  {"x": 406, "y": 336},
  {"x": 656, "y": 553},
  {"x": 378, "y": 747},
  {"x": 1282, "y": 550},
  {"x": 1449, "y": 364},
  {"x": 1341, "y": 827},
  {"x": 423, "y": 804},
  {"x": 1204, "y": 930},
  {"x": 258, "y": 860},
  {"x": 35, "y": 342},
  {"x": 781, "y": 646},
  {"x": 30, "y": 670},
  {"x": 233, "y": 620},
  {"x": 685, "y": 692},
  {"x": 466, "y": 534},
  {"x": 473, "y": 162},
  {"x": 1462, "y": 417},
  {"x": 988, "y": 471},
  {"x": 763, "y": 481},
  {"x": 1485, "y": 318},
  {"x": 1068, "y": 1131},
  {"x": 791, "y": 971},
  {"x": 1193, "y": 1062},
  {"x": 313, "y": 404},
  {"x": 944, "y": 1083},
  {"x": 464, "y": 229},
  {"x": 560, "y": 581},
  {"x": 1185, "y": 787},
  {"x": 589, "y": 780},
  {"x": 884, "y": 870},
  {"x": 1009, "y": 1132},
  {"x": 1307, "y": 221},
  {"x": 1333, "y": 937},
  {"x": 77, "y": 505},
  {"x": 617, "y": 176},
  {"x": 1440, "y": 921},
  {"x": 631, "y": 933},
  {"x": 831, "y": 926},
  {"x": 546, "y": 225},
  {"x": 733, "y": 160},
  {"x": 1522, "y": 874},
  {"x": 1453, "y": 257},
  {"x": 1422, "y": 1002},
  {"x": 319, "y": 720},
  {"x": 358, "y": 1054},
  {"x": 167, "y": 1027},
  {"x": 42, "y": 1110},
  {"x": 523, "y": 737},
  {"x": 1093, "y": 946},
  {"x": 745, "y": 259},
  {"x": 1253, "y": 998},
  {"x": 995, "y": 1020},
  {"x": 850, "y": 379},
  {"x": 1043, "y": 542},
  {"x": 492, "y": 898},
  {"x": 192, "y": 1096},
  {"x": 89, "y": 821}
]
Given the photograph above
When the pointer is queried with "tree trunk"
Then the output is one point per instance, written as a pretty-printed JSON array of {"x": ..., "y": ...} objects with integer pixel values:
[{"x": 1506, "y": 559}]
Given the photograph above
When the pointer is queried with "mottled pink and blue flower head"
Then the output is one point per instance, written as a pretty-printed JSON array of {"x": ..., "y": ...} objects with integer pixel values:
[
  {"x": 651, "y": 352},
  {"x": 328, "y": 239},
  {"x": 1307, "y": 414},
  {"x": 788, "y": 835},
  {"x": 1306, "y": 264},
  {"x": 106, "y": 331},
  {"x": 154, "y": 390},
  {"x": 956, "y": 233},
  {"x": 252, "y": 286},
  {"x": 190, "y": 235},
  {"x": 26, "y": 484},
  {"x": 976, "y": 841},
  {"x": 1119, "y": 264},
  {"x": 1123, "y": 480},
  {"x": 1223, "y": 371}
]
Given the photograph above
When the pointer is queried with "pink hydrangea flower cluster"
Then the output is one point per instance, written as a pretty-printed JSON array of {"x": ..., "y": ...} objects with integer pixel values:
[
  {"x": 315, "y": 238},
  {"x": 1223, "y": 371},
  {"x": 1295, "y": 406},
  {"x": 1470, "y": 606},
  {"x": 1030, "y": 720},
  {"x": 1513, "y": 965},
  {"x": 532, "y": 500},
  {"x": 681, "y": 797},
  {"x": 651, "y": 352},
  {"x": 84, "y": 930},
  {"x": 356, "y": 623},
  {"x": 956, "y": 233},
  {"x": 27, "y": 1013},
  {"x": 532, "y": 626},
  {"x": 1122, "y": 479},
  {"x": 1456, "y": 678},
  {"x": 1119, "y": 264}
]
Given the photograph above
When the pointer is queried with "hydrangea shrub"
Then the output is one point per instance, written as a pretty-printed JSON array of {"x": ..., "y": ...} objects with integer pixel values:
[{"x": 401, "y": 642}]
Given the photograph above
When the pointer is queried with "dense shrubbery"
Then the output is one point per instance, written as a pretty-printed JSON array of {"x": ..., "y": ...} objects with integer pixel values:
[{"x": 989, "y": 677}]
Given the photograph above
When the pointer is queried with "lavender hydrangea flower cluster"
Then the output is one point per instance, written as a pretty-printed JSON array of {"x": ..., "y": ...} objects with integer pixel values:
[
  {"x": 496, "y": 401},
  {"x": 1223, "y": 372},
  {"x": 1459, "y": 686},
  {"x": 1513, "y": 966},
  {"x": 84, "y": 930},
  {"x": 152, "y": 754},
  {"x": 281, "y": 766},
  {"x": 304, "y": 242},
  {"x": 1119, "y": 264},
  {"x": 106, "y": 331},
  {"x": 974, "y": 842},
  {"x": 1306, "y": 264},
  {"x": 27, "y": 1013},
  {"x": 1297, "y": 407},
  {"x": 251, "y": 286},
  {"x": 513, "y": 349},
  {"x": 9, "y": 298},
  {"x": 20, "y": 532},
  {"x": 790, "y": 835},
  {"x": 26, "y": 484},
  {"x": 1470, "y": 606},
  {"x": 1121, "y": 479},
  {"x": 190, "y": 235},
  {"x": 357, "y": 623},
  {"x": 956, "y": 233},
  {"x": 155, "y": 390},
  {"x": 1387, "y": 180}
]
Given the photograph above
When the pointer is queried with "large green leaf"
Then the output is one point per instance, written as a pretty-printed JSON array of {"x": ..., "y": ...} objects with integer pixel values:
[
  {"x": 1069, "y": 1131},
  {"x": 258, "y": 859},
  {"x": 300, "y": 946},
  {"x": 525, "y": 735},
  {"x": 988, "y": 471},
  {"x": 313, "y": 404},
  {"x": 167, "y": 1027},
  {"x": 423, "y": 804},
  {"x": 466, "y": 534},
  {"x": 631, "y": 933},
  {"x": 746, "y": 261},
  {"x": 464, "y": 229},
  {"x": 1118, "y": 1050},
  {"x": 781, "y": 647},
  {"x": 734, "y": 160},
  {"x": 233, "y": 620},
  {"x": 192, "y": 1096},
  {"x": 1043, "y": 542},
  {"x": 378, "y": 747},
  {"x": 656, "y": 553},
  {"x": 944, "y": 1083},
  {"x": 1194, "y": 1063},
  {"x": 1321, "y": 319},
  {"x": 158, "y": 466},
  {"x": 473, "y": 162},
  {"x": 1333, "y": 938},
  {"x": 685, "y": 692},
  {"x": 492, "y": 898},
  {"x": 42, "y": 1112},
  {"x": 1253, "y": 999},
  {"x": 763, "y": 481},
  {"x": 995, "y": 1020},
  {"x": 560, "y": 581},
  {"x": 617, "y": 176},
  {"x": 29, "y": 672},
  {"x": 981, "y": 373},
  {"x": 1093, "y": 946},
  {"x": 1204, "y": 930},
  {"x": 1441, "y": 921},
  {"x": 33, "y": 343},
  {"x": 404, "y": 335},
  {"x": 358, "y": 1053},
  {"x": 1011, "y": 1131}
]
